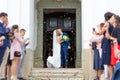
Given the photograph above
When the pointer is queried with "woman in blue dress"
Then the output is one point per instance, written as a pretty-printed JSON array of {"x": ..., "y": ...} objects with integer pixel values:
[
  {"x": 96, "y": 46},
  {"x": 106, "y": 45}
]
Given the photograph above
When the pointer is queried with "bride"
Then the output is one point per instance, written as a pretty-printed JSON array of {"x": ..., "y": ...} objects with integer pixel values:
[{"x": 55, "y": 61}]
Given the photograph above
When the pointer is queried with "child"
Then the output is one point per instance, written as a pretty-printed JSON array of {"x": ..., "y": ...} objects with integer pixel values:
[{"x": 15, "y": 51}]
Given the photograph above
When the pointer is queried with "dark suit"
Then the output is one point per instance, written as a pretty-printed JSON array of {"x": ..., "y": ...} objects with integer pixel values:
[
  {"x": 64, "y": 52},
  {"x": 3, "y": 32}
]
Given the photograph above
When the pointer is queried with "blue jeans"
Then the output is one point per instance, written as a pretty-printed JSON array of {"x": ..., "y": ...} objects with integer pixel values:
[{"x": 21, "y": 64}]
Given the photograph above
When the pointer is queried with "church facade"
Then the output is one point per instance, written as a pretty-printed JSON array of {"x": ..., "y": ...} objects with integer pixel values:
[{"x": 41, "y": 17}]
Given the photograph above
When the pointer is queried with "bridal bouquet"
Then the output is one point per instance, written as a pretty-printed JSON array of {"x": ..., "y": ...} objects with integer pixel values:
[{"x": 65, "y": 38}]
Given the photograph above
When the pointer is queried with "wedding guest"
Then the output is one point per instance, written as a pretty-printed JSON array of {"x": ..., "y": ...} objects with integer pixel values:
[
  {"x": 115, "y": 57},
  {"x": 6, "y": 54},
  {"x": 115, "y": 37},
  {"x": 15, "y": 51},
  {"x": 106, "y": 43},
  {"x": 5, "y": 45},
  {"x": 96, "y": 46},
  {"x": 3, "y": 18},
  {"x": 116, "y": 74},
  {"x": 23, "y": 53},
  {"x": 9, "y": 62}
]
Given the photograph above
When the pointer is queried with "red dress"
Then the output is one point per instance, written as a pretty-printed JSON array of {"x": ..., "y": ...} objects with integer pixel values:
[{"x": 113, "y": 59}]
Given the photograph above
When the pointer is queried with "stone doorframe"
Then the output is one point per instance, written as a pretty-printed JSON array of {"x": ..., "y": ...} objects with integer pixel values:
[{"x": 38, "y": 55}]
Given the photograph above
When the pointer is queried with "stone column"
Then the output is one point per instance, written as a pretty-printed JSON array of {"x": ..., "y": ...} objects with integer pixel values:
[
  {"x": 31, "y": 26},
  {"x": 38, "y": 56},
  {"x": 78, "y": 36},
  {"x": 86, "y": 53},
  {"x": 27, "y": 22}
]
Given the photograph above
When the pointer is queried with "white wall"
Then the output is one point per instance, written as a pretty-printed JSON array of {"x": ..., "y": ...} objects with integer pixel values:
[
  {"x": 21, "y": 12},
  {"x": 18, "y": 13},
  {"x": 93, "y": 14},
  {"x": 32, "y": 25},
  {"x": 113, "y": 6},
  {"x": 3, "y": 5}
]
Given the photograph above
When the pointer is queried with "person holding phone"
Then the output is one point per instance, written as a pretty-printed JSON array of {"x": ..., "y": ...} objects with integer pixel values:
[{"x": 96, "y": 46}]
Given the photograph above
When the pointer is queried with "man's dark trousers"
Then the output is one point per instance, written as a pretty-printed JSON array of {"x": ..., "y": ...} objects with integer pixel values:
[
  {"x": 2, "y": 51},
  {"x": 64, "y": 56}
]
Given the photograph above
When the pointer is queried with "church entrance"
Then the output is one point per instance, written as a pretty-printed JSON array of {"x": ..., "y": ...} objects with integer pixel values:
[{"x": 66, "y": 19}]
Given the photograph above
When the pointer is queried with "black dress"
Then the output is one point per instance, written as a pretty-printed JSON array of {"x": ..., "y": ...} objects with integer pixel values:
[
  {"x": 106, "y": 47},
  {"x": 106, "y": 51},
  {"x": 116, "y": 34}
]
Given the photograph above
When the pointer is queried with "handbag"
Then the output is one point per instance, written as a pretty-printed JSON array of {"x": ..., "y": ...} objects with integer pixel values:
[{"x": 17, "y": 54}]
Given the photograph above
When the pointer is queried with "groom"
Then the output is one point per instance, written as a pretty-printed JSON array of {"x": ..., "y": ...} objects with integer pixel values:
[{"x": 64, "y": 49}]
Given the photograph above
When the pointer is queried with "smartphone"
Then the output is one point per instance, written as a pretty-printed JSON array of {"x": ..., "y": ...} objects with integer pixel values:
[{"x": 93, "y": 29}]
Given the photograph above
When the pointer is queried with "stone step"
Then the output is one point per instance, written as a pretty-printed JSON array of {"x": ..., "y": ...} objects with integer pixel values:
[
  {"x": 56, "y": 74},
  {"x": 57, "y": 70},
  {"x": 49, "y": 78}
]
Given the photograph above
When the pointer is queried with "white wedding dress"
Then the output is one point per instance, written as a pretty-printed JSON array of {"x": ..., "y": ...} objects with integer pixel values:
[{"x": 55, "y": 60}]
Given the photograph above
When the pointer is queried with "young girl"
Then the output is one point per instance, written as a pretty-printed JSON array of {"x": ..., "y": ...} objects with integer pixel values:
[{"x": 15, "y": 51}]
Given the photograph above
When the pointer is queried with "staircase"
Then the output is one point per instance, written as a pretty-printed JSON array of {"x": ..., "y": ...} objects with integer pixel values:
[{"x": 56, "y": 74}]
